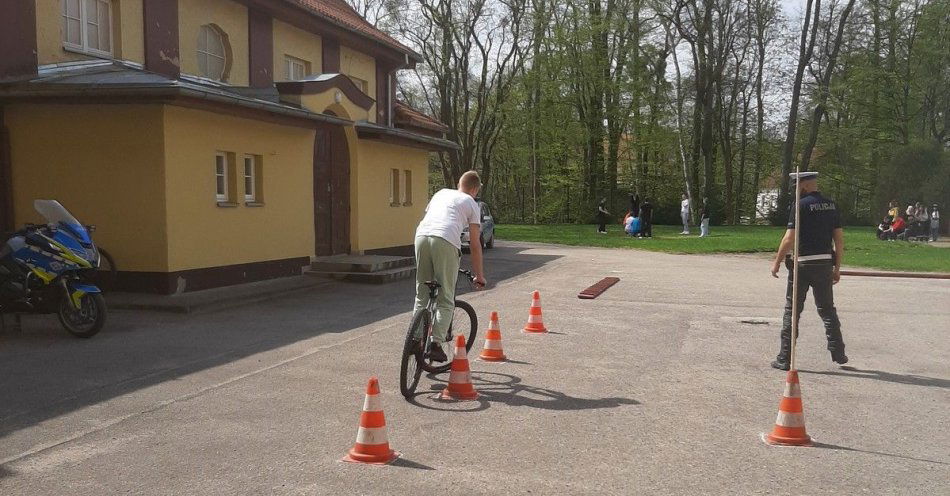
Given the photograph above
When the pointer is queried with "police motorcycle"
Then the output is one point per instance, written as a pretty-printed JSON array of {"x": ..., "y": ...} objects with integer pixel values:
[{"x": 45, "y": 268}]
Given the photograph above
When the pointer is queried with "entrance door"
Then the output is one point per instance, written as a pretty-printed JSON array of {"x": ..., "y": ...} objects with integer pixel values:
[
  {"x": 340, "y": 192},
  {"x": 331, "y": 192}
]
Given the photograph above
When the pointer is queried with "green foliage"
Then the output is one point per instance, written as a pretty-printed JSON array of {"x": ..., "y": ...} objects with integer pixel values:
[
  {"x": 862, "y": 248},
  {"x": 917, "y": 172}
]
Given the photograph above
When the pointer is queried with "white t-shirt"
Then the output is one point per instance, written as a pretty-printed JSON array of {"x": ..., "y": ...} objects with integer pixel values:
[
  {"x": 448, "y": 213},
  {"x": 684, "y": 206}
]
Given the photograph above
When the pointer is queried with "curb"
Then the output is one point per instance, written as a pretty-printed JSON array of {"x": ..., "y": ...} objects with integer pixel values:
[{"x": 909, "y": 275}]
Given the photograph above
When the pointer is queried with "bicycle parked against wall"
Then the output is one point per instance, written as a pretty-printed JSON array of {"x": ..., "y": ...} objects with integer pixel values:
[{"x": 414, "y": 359}]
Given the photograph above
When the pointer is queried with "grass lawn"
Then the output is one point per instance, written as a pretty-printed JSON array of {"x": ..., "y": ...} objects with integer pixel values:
[{"x": 862, "y": 249}]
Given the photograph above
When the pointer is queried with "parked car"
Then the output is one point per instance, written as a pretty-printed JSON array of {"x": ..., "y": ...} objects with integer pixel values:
[{"x": 488, "y": 229}]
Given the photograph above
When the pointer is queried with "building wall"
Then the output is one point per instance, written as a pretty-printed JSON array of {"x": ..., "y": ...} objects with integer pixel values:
[
  {"x": 377, "y": 224},
  {"x": 102, "y": 162},
  {"x": 131, "y": 35},
  {"x": 290, "y": 40},
  {"x": 128, "y": 39},
  {"x": 231, "y": 17},
  {"x": 320, "y": 102},
  {"x": 203, "y": 234},
  {"x": 360, "y": 65}
]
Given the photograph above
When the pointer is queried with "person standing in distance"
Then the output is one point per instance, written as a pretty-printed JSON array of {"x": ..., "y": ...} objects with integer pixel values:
[
  {"x": 646, "y": 219},
  {"x": 439, "y": 250},
  {"x": 820, "y": 251},
  {"x": 934, "y": 223},
  {"x": 602, "y": 215},
  {"x": 704, "y": 219},
  {"x": 684, "y": 213}
]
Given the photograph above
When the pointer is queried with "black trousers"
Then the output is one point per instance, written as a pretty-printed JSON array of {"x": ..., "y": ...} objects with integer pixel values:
[
  {"x": 646, "y": 228},
  {"x": 819, "y": 276}
]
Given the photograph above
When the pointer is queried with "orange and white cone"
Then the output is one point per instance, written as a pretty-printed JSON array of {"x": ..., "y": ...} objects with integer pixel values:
[
  {"x": 493, "y": 352},
  {"x": 790, "y": 424},
  {"x": 372, "y": 442},
  {"x": 535, "y": 323},
  {"x": 460, "y": 377}
]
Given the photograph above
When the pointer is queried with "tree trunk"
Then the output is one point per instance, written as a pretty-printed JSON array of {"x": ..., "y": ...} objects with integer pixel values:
[{"x": 805, "y": 50}]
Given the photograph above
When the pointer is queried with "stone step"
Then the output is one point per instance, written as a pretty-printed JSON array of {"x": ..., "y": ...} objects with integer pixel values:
[
  {"x": 360, "y": 263},
  {"x": 377, "y": 277}
]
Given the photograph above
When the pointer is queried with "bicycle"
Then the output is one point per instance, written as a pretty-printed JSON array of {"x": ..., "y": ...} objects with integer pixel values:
[{"x": 414, "y": 359}]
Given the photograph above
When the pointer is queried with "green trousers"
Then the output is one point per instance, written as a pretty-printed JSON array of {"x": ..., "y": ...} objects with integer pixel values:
[{"x": 437, "y": 260}]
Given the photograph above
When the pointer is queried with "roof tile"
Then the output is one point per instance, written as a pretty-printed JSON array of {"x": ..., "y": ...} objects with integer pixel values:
[{"x": 339, "y": 12}]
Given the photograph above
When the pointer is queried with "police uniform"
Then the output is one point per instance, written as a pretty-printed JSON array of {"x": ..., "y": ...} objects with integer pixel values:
[{"x": 819, "y": 219}]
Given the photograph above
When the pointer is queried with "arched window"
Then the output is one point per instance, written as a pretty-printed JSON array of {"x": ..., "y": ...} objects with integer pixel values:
[{"x": 214, "y": 53}]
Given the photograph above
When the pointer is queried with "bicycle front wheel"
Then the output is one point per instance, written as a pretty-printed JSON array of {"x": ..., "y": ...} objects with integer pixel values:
[
  {"x": 464, "y": 323},
  {"x": 411, "y": 366}
]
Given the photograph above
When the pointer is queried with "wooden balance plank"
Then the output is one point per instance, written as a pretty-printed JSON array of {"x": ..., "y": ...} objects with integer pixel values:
[{"x": 595, "y": 290}]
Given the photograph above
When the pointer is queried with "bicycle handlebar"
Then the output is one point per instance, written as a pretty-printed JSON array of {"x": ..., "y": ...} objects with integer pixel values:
[{"x": 470, "y": 276}]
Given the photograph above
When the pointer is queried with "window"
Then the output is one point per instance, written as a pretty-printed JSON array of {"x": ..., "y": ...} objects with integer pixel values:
[
  {"x": 394, "y": 187},
  {"x": 361, "y": 84},
  {"x": 87, "y": 26},
  {"x": 221, "y": 177},
  {"x": 213, "y": 53},
  {"x": 250, "y": 172},
  {"x": 295, "y": 69},
  {"x": 407, "y": 188}
]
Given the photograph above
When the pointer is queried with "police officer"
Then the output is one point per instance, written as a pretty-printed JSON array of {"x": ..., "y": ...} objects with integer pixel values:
[{"x": 821, "y": 247}]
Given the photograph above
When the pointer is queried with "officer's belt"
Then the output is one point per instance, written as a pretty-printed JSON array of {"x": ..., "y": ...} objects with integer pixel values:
[{"x": 808, "y": 258}]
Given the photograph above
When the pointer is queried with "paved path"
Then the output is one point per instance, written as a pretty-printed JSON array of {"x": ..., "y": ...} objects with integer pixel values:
[{"x": 659, "y": 386}]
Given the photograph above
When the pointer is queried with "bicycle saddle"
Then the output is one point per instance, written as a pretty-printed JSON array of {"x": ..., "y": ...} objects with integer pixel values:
[{"x": 432, "y": 284}]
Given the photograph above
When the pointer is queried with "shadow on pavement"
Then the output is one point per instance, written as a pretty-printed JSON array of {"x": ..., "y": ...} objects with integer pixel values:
[
  {"x": 880, "y": 375},
  {"x": 495, "y": 387},
  {"x": 406, "y": 463},
  {"x": 5, "y": 472},
  {"x": 845, "y": 448},
  {"x": 46, "y": 373}
]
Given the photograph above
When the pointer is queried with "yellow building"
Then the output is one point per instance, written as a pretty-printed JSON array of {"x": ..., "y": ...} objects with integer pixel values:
[{"x": 212, "y": 142}]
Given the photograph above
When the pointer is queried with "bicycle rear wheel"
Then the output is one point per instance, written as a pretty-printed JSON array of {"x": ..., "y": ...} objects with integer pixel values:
[
  {"x": 464, "y": 323},
  {"x": 412, "y": 360}
]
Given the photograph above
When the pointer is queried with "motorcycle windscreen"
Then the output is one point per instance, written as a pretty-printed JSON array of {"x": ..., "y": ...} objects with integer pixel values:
[{"x": 56, "y": 214}]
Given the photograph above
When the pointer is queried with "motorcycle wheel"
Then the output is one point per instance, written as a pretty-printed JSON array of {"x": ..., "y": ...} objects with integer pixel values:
[{"x": 85, "y": 321}]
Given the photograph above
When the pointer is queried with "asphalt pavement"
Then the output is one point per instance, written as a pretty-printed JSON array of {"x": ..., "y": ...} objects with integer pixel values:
[{"x": 659, "y": 386}]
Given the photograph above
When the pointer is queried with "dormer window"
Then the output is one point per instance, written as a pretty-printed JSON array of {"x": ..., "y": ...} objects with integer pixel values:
[
  {"x": 87, "y": 26},
  {"x": 214, "y": 53},
  {"x": 295, "y": 69},
  {"x": 362, "y": 84}
]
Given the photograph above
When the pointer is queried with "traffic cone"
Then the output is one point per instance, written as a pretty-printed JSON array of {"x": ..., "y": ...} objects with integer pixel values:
[
  {"x": 790, "y": 424},
  {"x": 460, "y": 378},
  {"x": 535, "y": 324},
  {"x": 493, "y": 352},
  {"x": 372, "y": 443}
]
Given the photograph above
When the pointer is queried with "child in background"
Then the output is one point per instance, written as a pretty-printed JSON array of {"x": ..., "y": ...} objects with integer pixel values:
[
  {"x": 632, "y": 226},
  {"x": 883, "y": 227}
]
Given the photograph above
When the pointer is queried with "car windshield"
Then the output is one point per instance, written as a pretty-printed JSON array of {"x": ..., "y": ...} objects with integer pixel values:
[{"x": 56, "y": 214}]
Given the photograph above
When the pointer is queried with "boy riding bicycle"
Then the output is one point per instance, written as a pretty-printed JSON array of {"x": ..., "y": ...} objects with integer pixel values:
[{"x": 439, "y": 250}]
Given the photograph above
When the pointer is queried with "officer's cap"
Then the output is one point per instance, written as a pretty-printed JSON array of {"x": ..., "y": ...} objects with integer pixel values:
[{"x": 803, "y": 176}]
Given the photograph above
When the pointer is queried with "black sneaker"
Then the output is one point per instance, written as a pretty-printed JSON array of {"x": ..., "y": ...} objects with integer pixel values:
[
  {"x": 776, "y": 364},
  {"x": 436, "y": 353},
  {"x": 839, "y": 357}
]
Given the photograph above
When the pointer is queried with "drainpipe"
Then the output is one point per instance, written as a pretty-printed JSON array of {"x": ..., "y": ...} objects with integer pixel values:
[{"x": 389, "y": 98}]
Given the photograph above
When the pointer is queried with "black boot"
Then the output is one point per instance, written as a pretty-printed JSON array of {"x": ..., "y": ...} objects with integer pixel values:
[
  {"x": 781, "y": 361},
  {"x": 829, "y": 316}
]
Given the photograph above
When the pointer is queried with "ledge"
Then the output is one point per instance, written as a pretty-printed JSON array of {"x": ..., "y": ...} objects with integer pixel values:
[
  {"x": 253, "y": 204},
  {"x": 368, "y": 130},
  {"x": 225, "y": 204}
]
